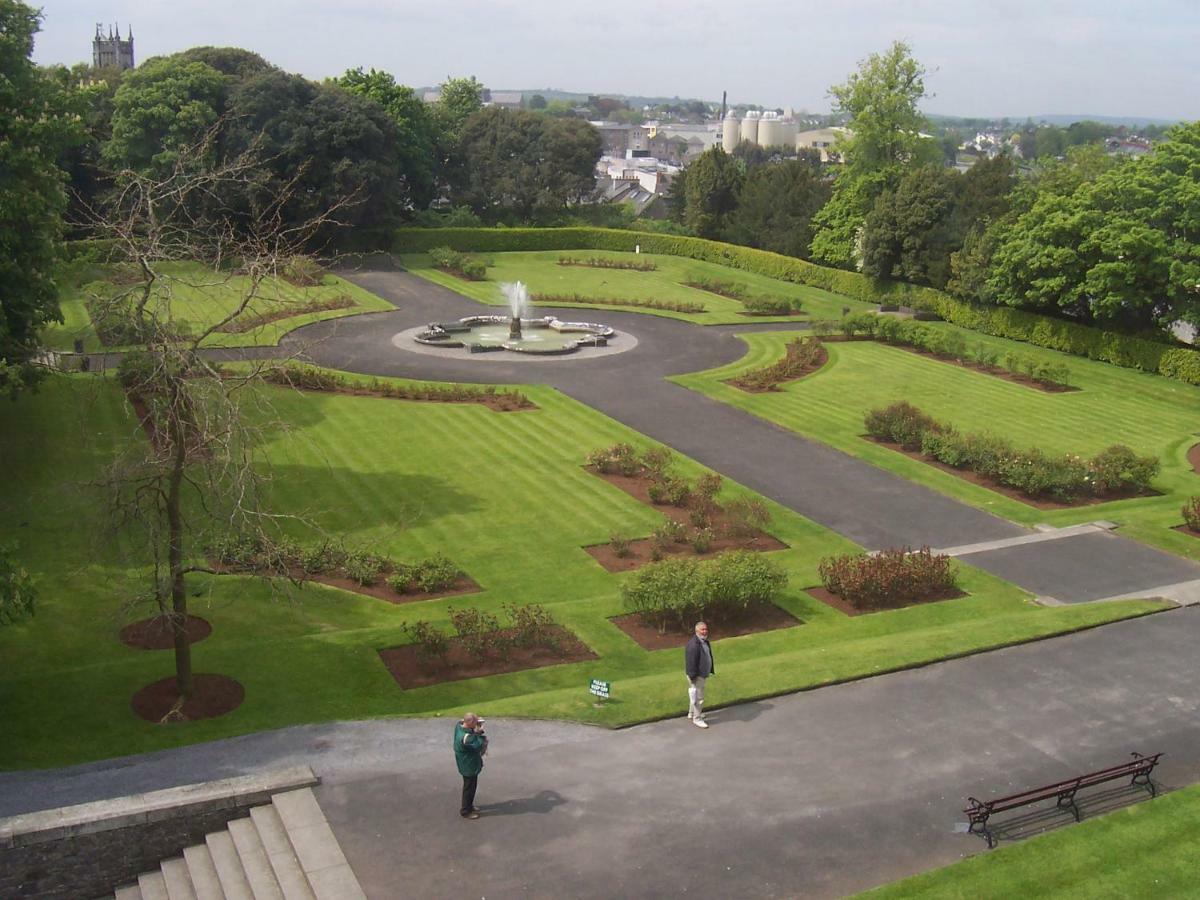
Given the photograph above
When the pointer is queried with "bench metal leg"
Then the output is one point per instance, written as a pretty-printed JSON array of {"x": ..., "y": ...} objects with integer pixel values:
[
  {"x": 979, "y": 826},
  {"x": 1069, "y": 798},
  {"x": 1142, "y": 779}
]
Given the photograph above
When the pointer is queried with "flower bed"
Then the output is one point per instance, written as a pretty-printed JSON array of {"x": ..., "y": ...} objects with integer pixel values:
[
  {"x": 307, "y": 378},
  {"x": 1112, "y": 473},
  {"x": 889, "y": 579},
  {"x": 600, "y": 262},
  {"x": 801, "y": 356},
  {"x": 249, "y": 322},
  {"x": 667, "y": 305}
]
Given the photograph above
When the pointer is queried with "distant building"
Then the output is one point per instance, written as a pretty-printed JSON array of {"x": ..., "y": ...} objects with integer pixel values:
[
  {"x": 112, "y": 51},
  {"x": 824, "y": 140}
]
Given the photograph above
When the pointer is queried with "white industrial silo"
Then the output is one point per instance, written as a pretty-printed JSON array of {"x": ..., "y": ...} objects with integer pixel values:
[
  {"x": 731, "y": 131},
  {"x": 769, "y": 130},
  {"x": 750, "y": 127}
]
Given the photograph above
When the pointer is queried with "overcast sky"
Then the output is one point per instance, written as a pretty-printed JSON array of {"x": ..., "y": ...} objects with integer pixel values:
[{"x": 986, "y": 57}]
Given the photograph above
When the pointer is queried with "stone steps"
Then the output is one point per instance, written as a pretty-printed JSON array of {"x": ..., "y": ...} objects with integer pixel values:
[{"x": 283, "y": 851}]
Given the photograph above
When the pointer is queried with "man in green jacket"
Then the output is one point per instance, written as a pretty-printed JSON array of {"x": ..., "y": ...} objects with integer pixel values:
[{"x": 470, "y": 744}]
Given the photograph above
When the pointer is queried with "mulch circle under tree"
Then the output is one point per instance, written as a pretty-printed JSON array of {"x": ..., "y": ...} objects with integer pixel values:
[
  {"x": 845, "y": 606},
  {"x": 212, "y": 696},
  {"x": 757, "y": 619},
  {"x": 157, "y": 633},
  {"x": 1193, "y": 458},
  {"x": 412, "y": 670}
]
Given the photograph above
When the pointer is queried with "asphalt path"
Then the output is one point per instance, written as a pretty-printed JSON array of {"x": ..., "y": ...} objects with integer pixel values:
[{"x": 816, "y": 794}]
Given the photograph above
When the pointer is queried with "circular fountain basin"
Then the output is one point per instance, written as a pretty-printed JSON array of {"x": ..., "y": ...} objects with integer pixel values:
[{"x": 545, "y": 336}]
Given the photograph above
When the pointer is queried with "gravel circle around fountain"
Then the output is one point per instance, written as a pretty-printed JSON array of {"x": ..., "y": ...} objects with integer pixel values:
[{"x": 620, "y": 342}]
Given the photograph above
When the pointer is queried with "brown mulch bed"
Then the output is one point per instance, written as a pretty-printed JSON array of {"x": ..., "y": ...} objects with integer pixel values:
[
  {"x": 249, "y": 323},
  {"x": 1193, "y": 458},
  {"x": 982, "y": 481},
  {"x": 212, "y": 696},
  {"x": 497, "y": 401},
  {"x": 460, "y": 276},
  {"x": 639, "y": 489},
  {"x": 845, "y": 606},
  {"x": 758, "y": 315},
  {"x": 410, "y": 670},
  {"x": 156, "y": 633},
  {"x": 1183, "y": 528},
  {"x": 764, "y": 617},
  {"x": 1052, "y": 387},
  {"x": 822, "y": 357},
  {"x": 380, "y": 590}
]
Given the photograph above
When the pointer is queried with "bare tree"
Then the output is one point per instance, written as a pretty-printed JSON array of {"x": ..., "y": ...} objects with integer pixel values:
[{"x": 196, "y": 474}]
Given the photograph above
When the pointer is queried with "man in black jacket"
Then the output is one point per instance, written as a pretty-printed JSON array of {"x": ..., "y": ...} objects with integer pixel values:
[{"x": 698, "y": 665}]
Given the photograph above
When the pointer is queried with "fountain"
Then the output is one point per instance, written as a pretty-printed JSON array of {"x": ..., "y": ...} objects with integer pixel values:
[{"x": 519, "y": 331}]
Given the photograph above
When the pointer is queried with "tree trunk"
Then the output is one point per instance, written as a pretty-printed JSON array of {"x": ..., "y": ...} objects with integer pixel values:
[{"x": 183, "y": 650}]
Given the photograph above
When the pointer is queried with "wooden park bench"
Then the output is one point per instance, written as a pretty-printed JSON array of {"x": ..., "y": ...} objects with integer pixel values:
[{"x": 1137, "y": 770}]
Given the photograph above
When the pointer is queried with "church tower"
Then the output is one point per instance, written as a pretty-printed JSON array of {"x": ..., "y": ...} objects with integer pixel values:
[{"x": 112, "y": 50}]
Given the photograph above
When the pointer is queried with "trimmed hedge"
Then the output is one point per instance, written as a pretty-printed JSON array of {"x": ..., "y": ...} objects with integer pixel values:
[{"x": 1127, "y": 351}]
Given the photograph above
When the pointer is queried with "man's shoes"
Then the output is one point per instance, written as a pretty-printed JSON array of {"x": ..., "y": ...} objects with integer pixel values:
[
  {"x": 699, "y": 723},
  {"x": 473, "y": 814},
  {"x": 691, "y": 715}
]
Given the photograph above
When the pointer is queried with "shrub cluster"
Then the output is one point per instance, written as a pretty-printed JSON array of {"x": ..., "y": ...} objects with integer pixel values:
[
  {"x": 460, "y": 263},
  {"x": 601, "y": 262},
  {"x": 756, "y": 305},
  {"x": 309, "y": 378},
  {"x": 482, "y": 635},
  {"x": 253, "y": 553},
  {"x": 302, "y": 271},
  {"x": 1191, "y": 513},
  {"x": 669, "y": 305},
  {"x": 890, "y": 578},
  {"x": 248, "y": 321},
  {"x": 1115, "y": 470},
  {"x": 799, "y": 358},
  {"x": 675, "y": 593},
  {"x": 1128, "y": 351}
]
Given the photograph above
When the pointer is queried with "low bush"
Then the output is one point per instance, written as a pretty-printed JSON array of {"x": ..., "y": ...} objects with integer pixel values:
[
  {"x": 675, "y": 593},
  {"x": 657, "y": 460},
  {"x": 600, "y": 262},
  {"x": 309, "y": 378},
  {"x": 746, "y": 516},
  {"x": 620, "y": 545},
  {"x": 436, "y": 574},
  {"x": 900, "y": 423},
  {"x": 533, "y": 626},
  {"x": 890, "y": 578},
  {"x": 364, "y": 567},
  {"x": 248, "y": 321},
  {"x": 239, "y": 552},
  {"x": 771, "y": 306},
  {"x": 432, "y": 644},
  {"x": 800, "y": 356},
  {"x": 620, "y": 459},
  {"x": 702, "y": 539},
  {"x": 1191, "y": 513},
  {"x": 480, "y": 633},
  {"x": 321, "y": 558},
  {"x": 302, "y": 271},
  {"x": 670, "y": 532},
  {"x": 459, "y": 263},
  {"x": 1032, "y": 472},
  {"x": 680, "y": 306}
]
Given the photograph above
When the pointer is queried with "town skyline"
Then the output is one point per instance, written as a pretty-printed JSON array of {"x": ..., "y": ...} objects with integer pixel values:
[{"x": 1025, "y": 59}]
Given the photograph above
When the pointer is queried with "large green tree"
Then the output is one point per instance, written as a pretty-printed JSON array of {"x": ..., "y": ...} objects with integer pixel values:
[
  {"x": 518, "y": 162},
  {"x": 881, "y": 100},
  {"x": 35, "y": 127},
  {"x": 1122, "y": 249},
  {"x": 416, "y": 133},
  {"x": 712, "y": 184},
  {"x": 775, "y": 206}
]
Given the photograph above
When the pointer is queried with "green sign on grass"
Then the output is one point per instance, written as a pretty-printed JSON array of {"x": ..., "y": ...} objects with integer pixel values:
[{"x": 600, "y": 688}]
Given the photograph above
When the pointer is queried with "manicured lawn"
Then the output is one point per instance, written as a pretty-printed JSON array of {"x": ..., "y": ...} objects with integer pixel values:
[
  {"x": 1151, "y": 414},
  {"x": 201, "y": 297},
  {"x": 1146, "y": 850},
  {"x": 502, "y": 494},
  {"x": 541, "y": 272}
]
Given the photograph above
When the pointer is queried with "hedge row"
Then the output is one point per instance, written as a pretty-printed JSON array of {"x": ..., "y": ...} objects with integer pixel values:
[{"x": 1121, "y": 350}]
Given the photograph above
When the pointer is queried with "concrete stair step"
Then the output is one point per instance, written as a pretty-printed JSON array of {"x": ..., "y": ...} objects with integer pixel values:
[
  {"x": 319, "y": 852},
  {"x": 255, "y": 864},
  {"x": 128, "y": 892},
  {"x": 179, "y": 883},
  {"x": 229, "y": 866},
  {"x": 281, "y": 854},
  {"x": 205, "y": 880},
  {"x": 153, "y": 886}
]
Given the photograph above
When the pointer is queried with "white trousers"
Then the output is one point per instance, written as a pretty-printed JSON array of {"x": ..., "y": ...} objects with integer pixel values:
[{"x": 696, "y": 698}]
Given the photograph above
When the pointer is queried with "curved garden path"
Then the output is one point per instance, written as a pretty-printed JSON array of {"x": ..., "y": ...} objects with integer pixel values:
[{"x": 868, "y": 505}]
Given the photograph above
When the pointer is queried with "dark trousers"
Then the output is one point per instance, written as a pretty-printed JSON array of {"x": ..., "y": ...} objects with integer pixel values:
[{"x": 470, "y": 782}]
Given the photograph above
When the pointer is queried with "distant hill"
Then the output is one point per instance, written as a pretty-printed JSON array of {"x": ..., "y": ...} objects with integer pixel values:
[{"x": 1132, "y": 121}]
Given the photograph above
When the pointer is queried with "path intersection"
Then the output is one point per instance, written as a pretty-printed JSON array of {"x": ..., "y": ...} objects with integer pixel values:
[{"x": 819, "y": 794}]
